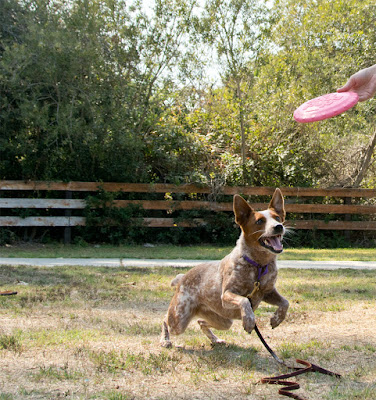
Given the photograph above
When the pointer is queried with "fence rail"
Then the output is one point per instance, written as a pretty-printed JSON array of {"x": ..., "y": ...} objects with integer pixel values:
[
  {"x": 298, "y": 202},
  {"x": 78, "y": 204},
  {"x": 186, "y": 188}
]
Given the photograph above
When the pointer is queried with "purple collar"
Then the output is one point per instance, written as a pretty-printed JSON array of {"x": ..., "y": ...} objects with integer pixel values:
[{"x": 261, "y": 269}]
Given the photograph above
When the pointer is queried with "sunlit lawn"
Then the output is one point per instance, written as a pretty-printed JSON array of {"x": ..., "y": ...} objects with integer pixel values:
[
  {"x": 93, "y": 333},
  {"x": 204, "y": 252}
]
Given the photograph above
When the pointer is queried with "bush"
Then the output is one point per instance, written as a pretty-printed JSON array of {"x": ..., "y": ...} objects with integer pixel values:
[{"x": 108, "y": 223}]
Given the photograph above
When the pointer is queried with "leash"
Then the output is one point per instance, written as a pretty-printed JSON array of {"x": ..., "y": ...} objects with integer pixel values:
[
  {"x": 288, "y": 386},
  {"x": 7, "y": 293}
]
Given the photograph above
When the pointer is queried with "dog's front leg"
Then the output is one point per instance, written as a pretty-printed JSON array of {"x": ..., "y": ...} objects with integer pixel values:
[
  {"x": 235, "y": 301},
  {"x": 275, "y": 299}
]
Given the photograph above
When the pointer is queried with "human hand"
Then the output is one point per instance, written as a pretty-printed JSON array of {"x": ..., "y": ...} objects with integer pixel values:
[{"x": 363, "y": 83}]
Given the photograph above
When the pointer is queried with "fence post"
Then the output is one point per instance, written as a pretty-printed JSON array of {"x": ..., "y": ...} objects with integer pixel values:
[
  {"x": 68, "y": 213},
  {"x": 347, "y": 201}
]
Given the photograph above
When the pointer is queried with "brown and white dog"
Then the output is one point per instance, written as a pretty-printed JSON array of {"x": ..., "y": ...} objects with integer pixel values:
[{"x": 216, "y": 292}]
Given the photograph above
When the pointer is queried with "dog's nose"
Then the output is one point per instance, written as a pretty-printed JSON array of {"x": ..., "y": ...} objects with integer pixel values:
[{"x": 278, "y": 228}]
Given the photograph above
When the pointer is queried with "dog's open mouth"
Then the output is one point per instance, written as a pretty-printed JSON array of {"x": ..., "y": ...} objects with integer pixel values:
[{"x": 272, "y": 243}]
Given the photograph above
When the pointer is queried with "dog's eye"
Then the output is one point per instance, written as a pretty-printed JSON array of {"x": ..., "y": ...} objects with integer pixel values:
[
  {"x": 260, "y": 221},
  {"x": 277, "y": 219}
]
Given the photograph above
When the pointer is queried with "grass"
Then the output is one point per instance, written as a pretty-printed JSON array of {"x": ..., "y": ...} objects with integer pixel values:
[
  {"x": 353, "y": 393},
  {"x": 56, "y": 373},
  {"x": 11, "y": 342},
  {"x": 203, "y": 252},
  {"x": 303, "y": 350},
  {"x": 93, "y": 333},
  {"x": 148, "y": 364}
]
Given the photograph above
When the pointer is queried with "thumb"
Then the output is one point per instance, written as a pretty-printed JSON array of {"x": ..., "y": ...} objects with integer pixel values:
[{"x": 349, "y": 84}]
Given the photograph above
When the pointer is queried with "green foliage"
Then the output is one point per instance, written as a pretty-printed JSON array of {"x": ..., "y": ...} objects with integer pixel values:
[
  {"x": 120, "y": 91},
  {"x": 216, "y": 227},
  {"x": 317, "y": 46},
  {"x": 176, "y": 152},
  {"x": 108, "y": 223},
  {"x": 61, "y": 94},
  {"x": 322, "y": 239},
  {"x": 79, "y": 89},
  {"x": 6, "y": 236}
]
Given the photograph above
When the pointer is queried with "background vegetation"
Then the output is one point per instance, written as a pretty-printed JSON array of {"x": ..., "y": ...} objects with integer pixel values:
[
  {"x": 181, "y": 90},
  {"x": 184, "y": 91}
]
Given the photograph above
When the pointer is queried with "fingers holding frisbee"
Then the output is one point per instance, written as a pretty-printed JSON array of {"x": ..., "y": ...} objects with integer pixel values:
[{"x": 362, "y": 82}]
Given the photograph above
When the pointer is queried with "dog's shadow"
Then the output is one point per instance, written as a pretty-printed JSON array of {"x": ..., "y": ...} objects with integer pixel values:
[{"x": 228, "y": 356}]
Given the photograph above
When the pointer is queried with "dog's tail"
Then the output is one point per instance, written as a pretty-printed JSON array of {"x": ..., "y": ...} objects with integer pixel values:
[{"x": 177, "y": 280}]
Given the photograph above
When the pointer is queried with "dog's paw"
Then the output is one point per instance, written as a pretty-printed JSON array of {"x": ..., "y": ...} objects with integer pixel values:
[
  {"x": 166, "y": 344},
  {"x": 277, "y": 318},
  {"x": 274, "y": 322},
  {"x": 219, "y": 342},
  {"x": 249, "y": 324}
]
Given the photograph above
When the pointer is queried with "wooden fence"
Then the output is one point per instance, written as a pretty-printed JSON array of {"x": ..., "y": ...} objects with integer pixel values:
[{"x": 335, "y": 208}]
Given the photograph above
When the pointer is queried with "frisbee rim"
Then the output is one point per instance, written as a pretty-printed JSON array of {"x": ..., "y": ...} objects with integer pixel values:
[{"x": 346, "y": 100}]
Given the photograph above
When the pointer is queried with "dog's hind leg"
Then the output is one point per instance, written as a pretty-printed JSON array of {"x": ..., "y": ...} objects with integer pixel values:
[
  {"x": 180, "y": 313},
  {"x": 165, "y": 336},
  {"x": 213, "y": 320},
  {"x": 205, "y": 327}
]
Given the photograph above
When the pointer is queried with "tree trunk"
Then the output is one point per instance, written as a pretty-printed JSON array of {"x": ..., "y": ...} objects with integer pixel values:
[
  {"x": 239, "y": 95},
  {"x": 365, "y": 163}
]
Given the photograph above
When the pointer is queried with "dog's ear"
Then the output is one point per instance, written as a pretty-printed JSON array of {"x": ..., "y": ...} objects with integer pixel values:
[
  {"x": 277, "y": 204},
  {"x": 242, "y": 210}
]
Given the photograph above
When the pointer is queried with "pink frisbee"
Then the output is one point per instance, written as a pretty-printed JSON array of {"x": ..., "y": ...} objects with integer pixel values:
[{"x": 326, "y": 106}]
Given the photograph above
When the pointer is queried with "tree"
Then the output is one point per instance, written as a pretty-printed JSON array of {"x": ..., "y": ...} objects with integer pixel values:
[
  {"x": 318, "y": 44},
  {"x": 109, "y": 90},
  {"x": 82, "y": 85},
  {"x": 234, "y": 29}
]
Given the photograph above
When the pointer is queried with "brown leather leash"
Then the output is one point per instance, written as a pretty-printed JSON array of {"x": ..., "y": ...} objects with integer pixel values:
[
  {"x": 279, "y": 380},
  {"x": 288, "y": 386},
  {"x": 7, "y": 293}
]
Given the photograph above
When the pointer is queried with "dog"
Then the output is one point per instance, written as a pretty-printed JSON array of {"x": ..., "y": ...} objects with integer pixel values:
[{"x": 219, "y": 292}]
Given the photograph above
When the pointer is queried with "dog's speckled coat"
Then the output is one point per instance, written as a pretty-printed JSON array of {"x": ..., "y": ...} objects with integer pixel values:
[{"x": 217, "y": 292}]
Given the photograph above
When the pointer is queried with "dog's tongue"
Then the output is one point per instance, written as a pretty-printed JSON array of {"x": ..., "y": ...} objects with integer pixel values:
[{"x": 275, "y": 242}]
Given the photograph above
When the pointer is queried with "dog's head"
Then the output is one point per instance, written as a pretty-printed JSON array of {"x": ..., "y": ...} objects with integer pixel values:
[{"x": 262, "y": 228}]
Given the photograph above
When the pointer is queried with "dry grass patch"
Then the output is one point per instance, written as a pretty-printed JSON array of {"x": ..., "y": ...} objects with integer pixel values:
[{"x": 93, "y": 333}]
